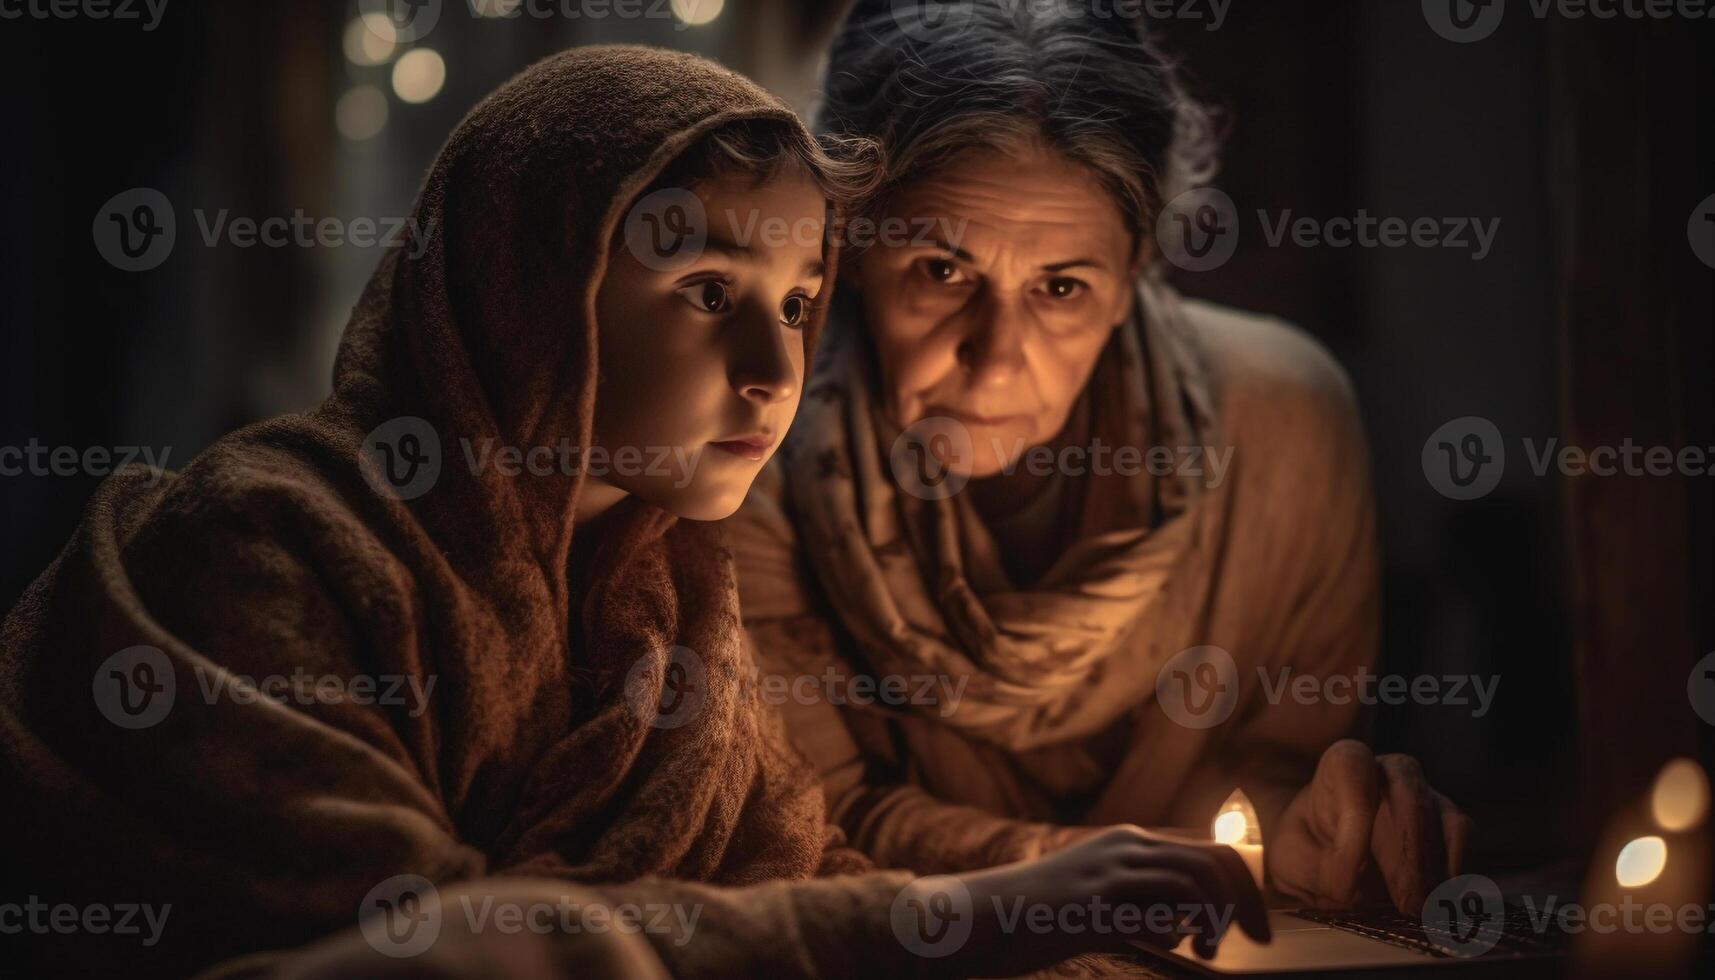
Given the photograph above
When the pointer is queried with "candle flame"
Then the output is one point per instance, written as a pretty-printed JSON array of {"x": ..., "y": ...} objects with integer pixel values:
[
  {"x": 1640, "y": 862},
  {"x": 1681, "y": 797},
  {"x": 1236, "y": 822}
]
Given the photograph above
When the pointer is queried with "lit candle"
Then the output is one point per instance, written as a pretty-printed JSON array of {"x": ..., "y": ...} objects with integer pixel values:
[
  {"x": 1652, "y": 865},
  {"x": 1237, "y": 827}
]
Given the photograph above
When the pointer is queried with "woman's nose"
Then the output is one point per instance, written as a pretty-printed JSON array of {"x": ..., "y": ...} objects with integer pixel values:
[
  {"x": 992, "y": 350},
  {"x": 761, "y": 366}
]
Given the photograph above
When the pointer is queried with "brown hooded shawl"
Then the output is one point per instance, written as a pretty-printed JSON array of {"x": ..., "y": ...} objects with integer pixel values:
[{"x": 264, "y": 824}]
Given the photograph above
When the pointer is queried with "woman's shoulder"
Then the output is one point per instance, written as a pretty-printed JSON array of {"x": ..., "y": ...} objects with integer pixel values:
[
  {"x": 1248, "y": 352},
  {"x": 1276, "y": 387},
  {"x": 772, "y": 577}
]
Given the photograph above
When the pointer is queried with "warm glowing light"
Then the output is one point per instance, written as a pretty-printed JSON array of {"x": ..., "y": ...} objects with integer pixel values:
[
  {"x": 1237, "y": 827},
  {"x": 698, "y": 12},
  {"x": 1681, "y": 798},
  {"x": 370, "y": 40},
  {"x": 1640, "y": 862},
  {"x": 1236, "y": 822},
  {"x": 1230, "y": 828},
  {"x": 419, "y": 75},
  {"x": 361, "y": 113}
]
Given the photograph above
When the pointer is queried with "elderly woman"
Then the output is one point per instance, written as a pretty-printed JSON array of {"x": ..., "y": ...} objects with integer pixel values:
[{"x": 1042, "y": 635}]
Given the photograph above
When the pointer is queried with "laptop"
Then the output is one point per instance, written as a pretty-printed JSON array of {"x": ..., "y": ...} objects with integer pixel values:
[{"x": 1379, "y": 938}]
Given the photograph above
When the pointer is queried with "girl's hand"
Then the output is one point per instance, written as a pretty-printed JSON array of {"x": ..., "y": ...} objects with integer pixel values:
[{"x": 1118, "y": 886}]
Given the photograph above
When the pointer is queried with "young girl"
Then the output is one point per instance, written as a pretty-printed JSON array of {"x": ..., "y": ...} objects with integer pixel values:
[{"x": 441, "y": 647}]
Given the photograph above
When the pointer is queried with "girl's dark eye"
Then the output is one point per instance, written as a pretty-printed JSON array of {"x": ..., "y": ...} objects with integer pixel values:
[
  {"x": 710, "y": 297},
  {"x": 793, "y": 311},
  {"x": 1063, "y": 287}
]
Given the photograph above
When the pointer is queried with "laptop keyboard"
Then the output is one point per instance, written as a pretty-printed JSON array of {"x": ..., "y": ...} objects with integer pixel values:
[{"x": 1518, "y": 936}]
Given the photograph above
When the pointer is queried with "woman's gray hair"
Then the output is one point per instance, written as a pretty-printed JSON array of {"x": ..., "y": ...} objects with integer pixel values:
[{"x": 929, "y": 81}]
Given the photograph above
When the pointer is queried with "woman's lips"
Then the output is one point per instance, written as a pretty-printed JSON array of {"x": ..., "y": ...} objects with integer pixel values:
[
  {"x": 747, "y": 447},
  {"x": 972, "y": 418}
]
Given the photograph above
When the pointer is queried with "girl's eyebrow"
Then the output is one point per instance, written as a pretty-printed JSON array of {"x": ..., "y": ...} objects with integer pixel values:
[{"x": 813, "y": 268}]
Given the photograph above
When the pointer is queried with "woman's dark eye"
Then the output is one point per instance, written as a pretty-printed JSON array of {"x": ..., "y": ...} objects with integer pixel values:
[
  {"x": 941, "y": 271},
  {"x": 1062, "y": 287},
  {"x": 792, "y": 311},
  {"x": 710, "y": 297}
]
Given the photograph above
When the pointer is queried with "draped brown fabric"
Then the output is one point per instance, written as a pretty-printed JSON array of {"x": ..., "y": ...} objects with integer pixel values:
[
  {"x": 532, "y": 750},
  {"x": 916, "y": 580}
]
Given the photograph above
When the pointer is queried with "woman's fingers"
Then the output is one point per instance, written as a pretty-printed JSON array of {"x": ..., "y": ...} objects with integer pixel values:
[
  {"x": 1348, "y": 789},
  {"x": 1408, "y": 843},
  {"x": 1455, "y": 832}
]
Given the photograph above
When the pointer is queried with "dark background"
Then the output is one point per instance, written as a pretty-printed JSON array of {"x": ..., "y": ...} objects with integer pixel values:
[{"x": 1590, "y": 320}]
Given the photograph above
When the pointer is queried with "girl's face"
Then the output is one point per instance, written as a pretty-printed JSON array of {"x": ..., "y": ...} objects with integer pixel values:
[{"x": 702, "y": 363}]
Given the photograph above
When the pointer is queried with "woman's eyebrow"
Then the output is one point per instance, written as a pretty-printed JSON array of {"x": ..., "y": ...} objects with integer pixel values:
[
  {"x": 940, "y": 243},
  {"x": 1076, "y": 264}
]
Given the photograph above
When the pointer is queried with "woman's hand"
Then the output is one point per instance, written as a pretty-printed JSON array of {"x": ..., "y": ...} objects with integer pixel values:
[
  {"x": 1360, "y": 815},
  {"x": 1169, "y": 888}
]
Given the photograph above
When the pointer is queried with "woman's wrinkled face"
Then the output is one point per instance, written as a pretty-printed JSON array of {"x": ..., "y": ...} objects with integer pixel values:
[
  {"x": 702, "y": 364},
  {"x": 996, "y": 318}
]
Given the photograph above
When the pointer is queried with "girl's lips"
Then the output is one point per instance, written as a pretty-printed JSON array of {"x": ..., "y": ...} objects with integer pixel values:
[{"x": 752, "y": 449}]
